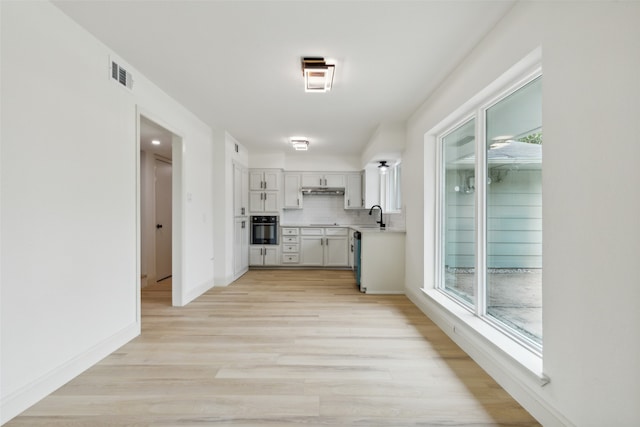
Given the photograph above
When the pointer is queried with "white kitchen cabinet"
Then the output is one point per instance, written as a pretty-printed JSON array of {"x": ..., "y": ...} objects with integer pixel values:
[
  {"x": 264, "y": 179},
  {"x": 241, "y": 219},
  {"x": 292, "y": 194},
  {"x": 328, "y": 247},
  {"x": 263, "y": 201},
  {"x": 241, "y": 246},
  {"x": 290, "y": 245},
  {"x": 336, "y": 251},
  {"x": 263, "y": 255},
  {"x": 312, "y": 250},
  {"x": 353, "y": 195},
  {"x": 240, "y": 190},
  {"x": 264, "y": 194},
  {"x": 323, "y": 179}
]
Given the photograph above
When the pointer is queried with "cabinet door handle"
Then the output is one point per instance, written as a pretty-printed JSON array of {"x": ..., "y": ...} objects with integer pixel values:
[
  {"x": 243, "y": 224},
  {"x": 348, "y": 202},
  {"x": 321, "y": 241},
  {"x": 327, "y": 239},
  {"x": 242, "y": 210},
  {"x": 298, "y": 202}
]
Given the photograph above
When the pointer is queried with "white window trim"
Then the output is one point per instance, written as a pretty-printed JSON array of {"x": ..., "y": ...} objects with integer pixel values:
[
  {"x": 510, "y": 343},
  {"x": 473, "y": 328}
]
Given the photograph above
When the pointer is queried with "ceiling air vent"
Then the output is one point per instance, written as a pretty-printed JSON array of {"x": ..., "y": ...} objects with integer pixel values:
[{"x": 121, "y": 75}]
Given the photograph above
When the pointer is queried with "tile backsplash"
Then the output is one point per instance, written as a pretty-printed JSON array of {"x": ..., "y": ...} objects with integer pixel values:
[{"x": 329, "y": 209}]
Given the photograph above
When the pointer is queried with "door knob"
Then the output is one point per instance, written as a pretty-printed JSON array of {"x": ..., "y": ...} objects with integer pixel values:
[{"x": 158, "y": 225}]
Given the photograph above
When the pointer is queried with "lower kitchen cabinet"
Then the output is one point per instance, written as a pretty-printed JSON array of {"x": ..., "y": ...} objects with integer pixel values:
[
  {"x": 263, "y": 255},
  {"x": 241, "y": 246},
  {"x": 324, "y": 247},
  {"x": 311, "y": 248},
  {"x": 290, "y": 246}
]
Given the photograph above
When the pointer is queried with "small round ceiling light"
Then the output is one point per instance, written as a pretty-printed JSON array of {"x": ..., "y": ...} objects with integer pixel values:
[
  {"x": 155, "y": 142},
  {"x": 383, "y": 167}
]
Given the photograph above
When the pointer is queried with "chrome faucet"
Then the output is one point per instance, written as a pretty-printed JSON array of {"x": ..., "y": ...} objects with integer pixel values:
[{"x": 381, "y": 222}]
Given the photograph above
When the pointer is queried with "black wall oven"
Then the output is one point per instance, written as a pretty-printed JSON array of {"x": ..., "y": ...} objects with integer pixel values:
[{"x": 264, "y": 230}]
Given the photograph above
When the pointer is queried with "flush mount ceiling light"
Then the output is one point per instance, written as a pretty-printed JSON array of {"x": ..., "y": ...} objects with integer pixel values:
[
  {"x": 318, "y": 75},
  {"x": 383, "y": 166},
  {"x": 155, "y": 142},
  {"x": 300, "y": 144}
]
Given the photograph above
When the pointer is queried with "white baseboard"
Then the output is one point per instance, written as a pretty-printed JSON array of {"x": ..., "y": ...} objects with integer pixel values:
[
  {"x": 237, "y": 276},
  {"x": 20, "y": 400},
  {"x": 522, "y": 386},
  {"x": 197, "y": 291},
  {"x": 221, "y": 282}
]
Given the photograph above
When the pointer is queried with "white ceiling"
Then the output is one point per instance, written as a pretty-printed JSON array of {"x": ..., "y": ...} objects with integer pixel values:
[{"x": 236, "y": 64}]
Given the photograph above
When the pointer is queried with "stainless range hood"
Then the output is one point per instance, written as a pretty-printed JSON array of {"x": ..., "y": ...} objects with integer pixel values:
[{"x": 323, "y": 191}]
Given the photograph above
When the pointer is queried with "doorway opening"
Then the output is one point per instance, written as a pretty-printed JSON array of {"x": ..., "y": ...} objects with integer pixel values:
[{"x": 159, "y": 212}]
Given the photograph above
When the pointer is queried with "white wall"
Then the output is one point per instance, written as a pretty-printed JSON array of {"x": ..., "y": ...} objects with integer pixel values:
[
  {"x": 70, "y": 273},
  {"x": 304, "y": 161},
  {"x": 147, "y": 216},
  {"x": 590, "y": 206},
  {"x": 386, "y": 143}
]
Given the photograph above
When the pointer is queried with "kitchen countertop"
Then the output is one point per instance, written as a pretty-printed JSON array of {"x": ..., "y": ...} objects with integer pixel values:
[
  {"x": 334, "y": 225},
  {"x": 369, "y": 229},
  {"x": 363, "y": 228}
]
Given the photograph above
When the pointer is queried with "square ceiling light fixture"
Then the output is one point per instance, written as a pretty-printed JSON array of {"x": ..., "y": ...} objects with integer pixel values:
[
  {"x": 300, "y": 144},
  {"x": 318, "y": 75}
]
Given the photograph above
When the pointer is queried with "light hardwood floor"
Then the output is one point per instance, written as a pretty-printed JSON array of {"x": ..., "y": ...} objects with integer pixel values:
[{"x": 282, "y": 348}]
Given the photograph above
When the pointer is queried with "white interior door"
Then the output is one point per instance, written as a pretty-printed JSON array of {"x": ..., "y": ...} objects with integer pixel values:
[{"x": 163, "y": 219}]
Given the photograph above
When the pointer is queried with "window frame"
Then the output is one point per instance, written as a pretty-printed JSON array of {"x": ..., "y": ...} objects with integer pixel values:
[{"x": 477, "y": 111}]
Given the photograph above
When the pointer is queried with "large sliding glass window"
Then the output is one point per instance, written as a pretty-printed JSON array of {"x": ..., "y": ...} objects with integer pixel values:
[
  {"x": 491, "y": 213},
  {"x": 514, "y": 211},
  {"x": 459, "y": 251}
]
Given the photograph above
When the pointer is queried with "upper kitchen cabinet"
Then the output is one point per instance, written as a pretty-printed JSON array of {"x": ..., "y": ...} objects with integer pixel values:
[
  {"x": 319, "y": 179},
  {"x": 292, "y": 197},
  {"x": 353, "y": 195},
  {"x": 264, "y": 179},
  {"x": 264, "y": 194},
  {"x": 263, "y": 201}
]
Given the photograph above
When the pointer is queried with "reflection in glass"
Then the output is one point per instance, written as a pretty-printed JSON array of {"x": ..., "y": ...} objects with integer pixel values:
[
  {"x": 459, "y": 212},
  {"x": 514, "y": 211}
]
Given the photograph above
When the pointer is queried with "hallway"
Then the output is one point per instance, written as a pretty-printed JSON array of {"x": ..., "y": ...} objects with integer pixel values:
[{"x": 282, "y": 348}]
